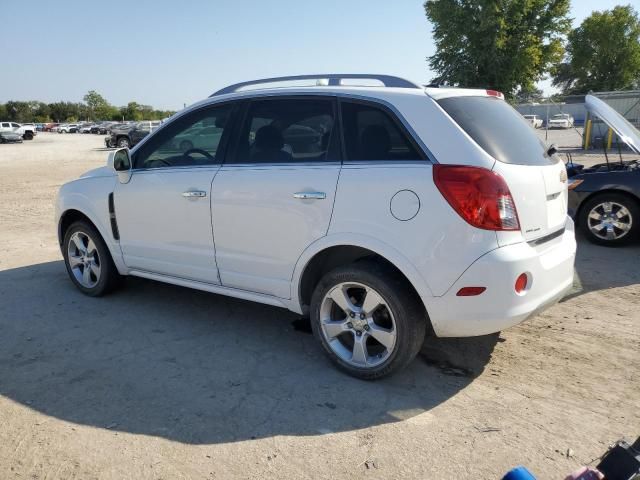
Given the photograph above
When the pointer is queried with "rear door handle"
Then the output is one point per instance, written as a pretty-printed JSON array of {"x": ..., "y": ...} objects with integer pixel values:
[
  {"x": 310, "y": 195},
  {"x": 194, "y": 194}
]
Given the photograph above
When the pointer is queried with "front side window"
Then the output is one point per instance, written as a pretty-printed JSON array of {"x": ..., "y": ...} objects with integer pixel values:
[
  {"x": 370, "y": 133},
  {"x": 15, "y": 125},
  {"x": 287, "y": 130},
  {"x": 192, "y": 140}
]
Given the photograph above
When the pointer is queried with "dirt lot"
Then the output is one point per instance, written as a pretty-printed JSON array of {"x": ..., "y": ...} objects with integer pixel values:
[{"x": 162, "y": 382}]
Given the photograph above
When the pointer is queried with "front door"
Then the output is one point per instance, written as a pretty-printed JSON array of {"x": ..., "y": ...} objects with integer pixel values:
[
  {"x": 274, "y": 197},
  {"x": 164, "y": 211}
]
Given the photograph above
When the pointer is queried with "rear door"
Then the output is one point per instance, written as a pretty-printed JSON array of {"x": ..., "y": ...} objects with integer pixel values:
[
  {"x": 275, "y": 197},
  {"x": 537, "y": 181}
]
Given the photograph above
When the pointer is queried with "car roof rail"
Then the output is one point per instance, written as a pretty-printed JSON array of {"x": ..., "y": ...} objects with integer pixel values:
[{"x": 334, "y": 79}]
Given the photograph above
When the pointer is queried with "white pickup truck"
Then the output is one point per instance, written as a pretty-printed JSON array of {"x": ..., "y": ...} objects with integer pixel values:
[{"x": 26, "y": 130}]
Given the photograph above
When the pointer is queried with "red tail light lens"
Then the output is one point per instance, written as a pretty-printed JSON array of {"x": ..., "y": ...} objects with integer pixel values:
[
  {"x": 521, "y": 283},
  {"x": 481, "y": 197},
  {"x": 470, "y": 291},
  {"x": 495, "y": 93}
]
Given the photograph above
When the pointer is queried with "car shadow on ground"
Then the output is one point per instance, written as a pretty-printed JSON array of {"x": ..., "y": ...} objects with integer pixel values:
[
  {"x": 600, "y": 268},
  {"x": 195, "y": 367}
]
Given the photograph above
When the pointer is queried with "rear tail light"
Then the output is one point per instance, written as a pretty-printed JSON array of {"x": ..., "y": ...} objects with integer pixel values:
[{"x": 481, "y": 197}]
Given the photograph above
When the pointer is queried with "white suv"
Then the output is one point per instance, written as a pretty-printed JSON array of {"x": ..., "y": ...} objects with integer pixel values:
[{"x": 384, "y": 212}]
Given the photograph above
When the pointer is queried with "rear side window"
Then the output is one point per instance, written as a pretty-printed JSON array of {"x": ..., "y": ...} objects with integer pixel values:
[
  {"x": 498, "y": 128},
  {"x": 287, "y": 131},
  {"x": 370, "y": 133}
]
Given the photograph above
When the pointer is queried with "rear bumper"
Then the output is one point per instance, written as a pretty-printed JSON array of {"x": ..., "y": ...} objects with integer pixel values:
[{"x": 550, "y": 270}]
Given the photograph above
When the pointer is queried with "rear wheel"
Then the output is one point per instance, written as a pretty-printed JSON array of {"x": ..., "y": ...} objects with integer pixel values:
[
  {"x": 88, "y": 261},
  {"x": 367, "y": 319},
  {"x": 610, "y": 219}
]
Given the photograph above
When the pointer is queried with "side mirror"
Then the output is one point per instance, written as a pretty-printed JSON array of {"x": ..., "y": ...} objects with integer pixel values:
[
  {"x": 552, "y": 150},
  {"x": 121, "y": 162}
]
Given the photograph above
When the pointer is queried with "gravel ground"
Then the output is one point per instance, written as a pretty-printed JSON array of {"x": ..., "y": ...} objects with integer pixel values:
[{"x": 162, "y": 382}]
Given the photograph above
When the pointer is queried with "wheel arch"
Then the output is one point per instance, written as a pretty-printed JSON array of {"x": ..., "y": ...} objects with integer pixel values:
[
  {"x": 73, "y": 214},
  {"x": 329, "y": 253}
]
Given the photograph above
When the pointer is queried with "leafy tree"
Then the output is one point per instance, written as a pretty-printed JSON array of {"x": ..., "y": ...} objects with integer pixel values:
[
  {"x": 98, "y": 107},
  {"x": 603, "y": 53},
  {"x": 3, "y": 112},
  {"x": 505, "y": 45}
]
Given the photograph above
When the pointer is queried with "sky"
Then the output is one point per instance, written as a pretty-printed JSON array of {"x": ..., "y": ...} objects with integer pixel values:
[{"x": 170, "y": 53}]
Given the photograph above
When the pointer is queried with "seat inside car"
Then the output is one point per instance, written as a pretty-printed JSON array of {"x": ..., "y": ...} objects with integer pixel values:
[{"x": 268, "y": 145}]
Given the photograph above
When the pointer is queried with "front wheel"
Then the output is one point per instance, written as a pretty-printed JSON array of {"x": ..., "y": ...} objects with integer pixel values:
[
  {"x": 28, "y": 136},
  {"x": 610, "y": 219},
  {"x": 367, "y": 319},
  {"x": 123, "y": 142},
  {"x": 88, "y": 260}
]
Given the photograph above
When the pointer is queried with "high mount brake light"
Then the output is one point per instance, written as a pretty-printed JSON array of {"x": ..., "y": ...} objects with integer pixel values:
[
  {"x": 481, "y": 197},
  {"x": 495, "y": 93}
]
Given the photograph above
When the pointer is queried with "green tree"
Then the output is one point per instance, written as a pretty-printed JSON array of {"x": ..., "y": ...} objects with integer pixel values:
[
  {"x": 506, "y": 45},
  {"x": 98, "y": 107},
  {"x": 603, "y": 53}
]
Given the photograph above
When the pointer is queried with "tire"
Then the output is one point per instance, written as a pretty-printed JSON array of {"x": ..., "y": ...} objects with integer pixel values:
[
  {"x": 28, "y": 136},
  {"x": 615, "y": 210},
  {"x": 185, "y": 146},
  {"x": 399, "y": 319},
  {"x": 95, "y": 258},
  {"x": 123, "y": 142}
]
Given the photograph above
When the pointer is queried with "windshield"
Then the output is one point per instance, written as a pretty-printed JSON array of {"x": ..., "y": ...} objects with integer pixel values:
[{"x": 498, "y": 128}]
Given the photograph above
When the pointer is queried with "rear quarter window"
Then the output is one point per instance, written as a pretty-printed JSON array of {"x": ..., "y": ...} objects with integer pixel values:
[{"x": 498, "y": 128}]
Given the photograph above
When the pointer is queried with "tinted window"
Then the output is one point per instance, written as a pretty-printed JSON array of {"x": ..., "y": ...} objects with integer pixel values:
[
  {"x": 498, "y": 128},
  {"x": 5, "y": 125},
  {"x": 370, "y": 133},
  {"x": 287, "y": 130},
  {"x": 188, "y": 141}
]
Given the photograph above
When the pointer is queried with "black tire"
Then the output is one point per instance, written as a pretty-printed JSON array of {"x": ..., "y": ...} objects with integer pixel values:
[
  {"x": 621, "y": 199},
  {"x": 123, "y": 142},
  {"x": 109, "y": 277},
  {"x": 410, "y": 316},
  {"x": 28, "y": 135}
]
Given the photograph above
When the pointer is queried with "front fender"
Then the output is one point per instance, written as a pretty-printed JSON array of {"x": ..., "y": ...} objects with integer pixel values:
[
  {"x": 89, "y": 196},
  {"x": 363, "y": 241}
]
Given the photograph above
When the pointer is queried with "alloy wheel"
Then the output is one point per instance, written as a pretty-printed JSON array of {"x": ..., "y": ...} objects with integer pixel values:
[
  {"x": 609, "y": 220},
  {"x": 84, "y": 260},
  {"x": 358, "y": 325}
]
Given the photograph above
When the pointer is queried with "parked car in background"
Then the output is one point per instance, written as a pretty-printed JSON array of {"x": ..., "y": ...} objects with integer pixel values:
[
  {"x": 129, "y": 136},
  {"x": 104, "y": 127},
  {"x": 27, "y": 130},
  {"x": 7, "y": 136},
  {"x": 393, "y": 212},
  {"x": 68, "y": 128},
  {"x": 50, "y": 127},
  {"x": 534, "y": 120},
  {"x": 561, "y": 120},
  {"x": 605, "y": 199},
  {"x": 85, "y": 128}
]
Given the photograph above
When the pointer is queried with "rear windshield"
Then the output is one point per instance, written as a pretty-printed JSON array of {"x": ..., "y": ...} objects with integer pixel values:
[{"x": 498, "y": 128}]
